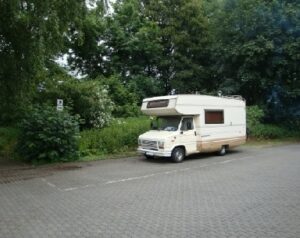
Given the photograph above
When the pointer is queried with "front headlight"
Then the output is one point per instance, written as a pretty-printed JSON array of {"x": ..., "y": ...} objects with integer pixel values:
[
  {"x": 139, "y": 142},
  {"x": 161, "y": 144}
]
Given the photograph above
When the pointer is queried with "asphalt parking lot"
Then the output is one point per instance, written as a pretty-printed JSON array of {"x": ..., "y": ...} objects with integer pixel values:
[{"x": 250, "y": 192}]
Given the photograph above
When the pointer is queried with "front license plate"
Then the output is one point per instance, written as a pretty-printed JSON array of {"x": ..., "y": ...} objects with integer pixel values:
[{"x": 149, "y": 153}]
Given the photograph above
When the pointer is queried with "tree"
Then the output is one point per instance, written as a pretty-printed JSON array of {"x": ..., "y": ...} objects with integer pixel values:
[
  {"x": 134, "y": 40},
  {"x": 32, "y": 32},
  {"x": 257, "y": 45},
  {"x": 125, "y": 101},
  {"x": 161, "y": 43},
  {"x": 125, "y": 43},
  {"x": 89, "y": 51},
  {"x": 183, "y": 62}
]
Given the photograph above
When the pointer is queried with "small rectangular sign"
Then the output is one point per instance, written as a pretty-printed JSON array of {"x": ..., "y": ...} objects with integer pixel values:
[{"x": 59, "y": 104}]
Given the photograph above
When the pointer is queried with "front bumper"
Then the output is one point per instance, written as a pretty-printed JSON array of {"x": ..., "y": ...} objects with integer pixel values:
[{"x": 154, "y": 152}]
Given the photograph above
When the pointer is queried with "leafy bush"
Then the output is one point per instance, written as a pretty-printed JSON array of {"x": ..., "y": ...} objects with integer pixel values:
[
  {"x": 11, "y": 112},
  {"x": 259, "y": 130},
  {"x": 292, "y": 124},
  {"x": 269, "y": 131},
  {"x": 48, "y": 135},
  {"x": 89, "y": 99},
  {"x": 119, "y": 136},
  {"x": 8, "y": 138},
  {"x": 254, "y": 116}
]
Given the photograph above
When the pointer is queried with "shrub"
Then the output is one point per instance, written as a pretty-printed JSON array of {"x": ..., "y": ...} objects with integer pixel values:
[
  {"x": 119, "y": 136},
  {"x": 48, "y": 135},
  {"x": 254, "y": 116},
  {"x": 8, "y": 138},
  {"x": 269, "y": 131},
  {"x": 292, "y": 124}
]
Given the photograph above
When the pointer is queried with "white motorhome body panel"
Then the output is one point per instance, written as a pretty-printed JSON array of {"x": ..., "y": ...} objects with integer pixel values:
[
  {"x": 188, "y": 104},
  {"x": 233, "y": 129}
]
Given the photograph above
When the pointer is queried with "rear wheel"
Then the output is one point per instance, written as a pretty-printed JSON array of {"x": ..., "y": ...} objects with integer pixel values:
[
  {"x": 178, "y": 154},
  {"x": 223, "y": 150}
]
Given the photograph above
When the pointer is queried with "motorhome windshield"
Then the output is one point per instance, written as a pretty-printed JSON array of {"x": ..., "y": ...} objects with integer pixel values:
[{"x": 166, "y": 123}]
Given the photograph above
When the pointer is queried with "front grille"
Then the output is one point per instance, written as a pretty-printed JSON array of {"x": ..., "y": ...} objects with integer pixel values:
[{"x": 149, "y": 145}]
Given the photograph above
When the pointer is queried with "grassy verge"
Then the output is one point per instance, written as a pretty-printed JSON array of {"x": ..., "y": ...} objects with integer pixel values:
[
  {"x": 8, "y": 139},
  {"x": 271, "y": 142},
  {"x": 270, "y": 131},
  {"x": 131, "y": 152},
  {"x": 118, "y": 155},
  {"x": 118, "y": 138},
  {"x": 115, "y": 141}
]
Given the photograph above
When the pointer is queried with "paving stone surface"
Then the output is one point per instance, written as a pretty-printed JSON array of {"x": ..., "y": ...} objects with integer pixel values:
[{"x": 250, "y": 192}]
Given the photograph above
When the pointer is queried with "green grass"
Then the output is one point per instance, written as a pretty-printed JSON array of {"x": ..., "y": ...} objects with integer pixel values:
[
  {"x": 115, "y": 141},
  {"x": 271, "y": 131},
  {"x": 265, "y": 135},
  {"x": 119, "y": 140},
  {"x": 8, "y": 139},
  {"x": 120, "y": 137},
  {"x": 125, "y": 154},
  {"x": 271, "y": 142}
]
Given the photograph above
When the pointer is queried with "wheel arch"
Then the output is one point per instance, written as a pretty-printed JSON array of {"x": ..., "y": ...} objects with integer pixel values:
[{"x": 179, "y": 146}]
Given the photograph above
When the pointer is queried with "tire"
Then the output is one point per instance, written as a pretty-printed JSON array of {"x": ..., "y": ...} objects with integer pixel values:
[
  {"x": 178, "y": 154},
  {"x": 149, "y": 156},
  {"x": 223, "y": 150}
]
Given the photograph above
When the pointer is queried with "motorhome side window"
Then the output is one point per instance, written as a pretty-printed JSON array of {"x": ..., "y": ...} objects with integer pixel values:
[
  {"x": 187, "y": 124},
  {"x": 158, "y": 103},
  {"x": 214, "y": 117}
]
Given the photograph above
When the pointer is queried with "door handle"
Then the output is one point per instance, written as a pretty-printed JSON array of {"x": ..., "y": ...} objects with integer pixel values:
[{"x": 195, "y": 133}]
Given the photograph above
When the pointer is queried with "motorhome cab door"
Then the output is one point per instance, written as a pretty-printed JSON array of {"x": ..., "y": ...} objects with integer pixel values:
[{"x": 187, "y": 135}]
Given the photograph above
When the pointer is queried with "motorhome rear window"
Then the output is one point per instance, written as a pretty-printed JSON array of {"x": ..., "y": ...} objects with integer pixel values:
[
  {"x": 214, "y": 117},
  {"x": 158, "y": 103}
]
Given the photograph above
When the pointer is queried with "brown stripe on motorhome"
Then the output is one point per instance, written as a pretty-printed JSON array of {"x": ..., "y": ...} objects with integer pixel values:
[{"x": 216, "y": 144}]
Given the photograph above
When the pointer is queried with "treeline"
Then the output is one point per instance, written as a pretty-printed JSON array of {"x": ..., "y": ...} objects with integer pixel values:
[{"x": 141, "y": 48}]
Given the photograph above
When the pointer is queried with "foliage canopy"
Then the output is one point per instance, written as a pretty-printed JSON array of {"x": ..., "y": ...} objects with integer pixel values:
[{"x": 151, "y": 47}]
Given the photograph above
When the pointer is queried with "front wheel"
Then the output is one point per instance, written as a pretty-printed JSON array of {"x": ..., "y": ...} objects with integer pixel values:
[
  {"x": 149, "y": 156},
  {"x": 178, "y": 155}
]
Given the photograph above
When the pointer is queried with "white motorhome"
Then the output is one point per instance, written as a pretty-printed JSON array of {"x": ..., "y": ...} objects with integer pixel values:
[{"x": 188, "y": 124}]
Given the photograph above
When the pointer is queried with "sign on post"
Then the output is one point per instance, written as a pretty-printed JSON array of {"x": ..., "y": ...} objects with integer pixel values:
[{"x": 59, "y": 105}]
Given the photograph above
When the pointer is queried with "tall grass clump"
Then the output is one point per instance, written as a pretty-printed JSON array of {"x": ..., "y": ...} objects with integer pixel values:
[{"x": 119, "y": 136}]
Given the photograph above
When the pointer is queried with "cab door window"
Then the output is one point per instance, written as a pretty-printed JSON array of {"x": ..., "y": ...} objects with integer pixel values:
[{"x": 187, "y": 124}]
